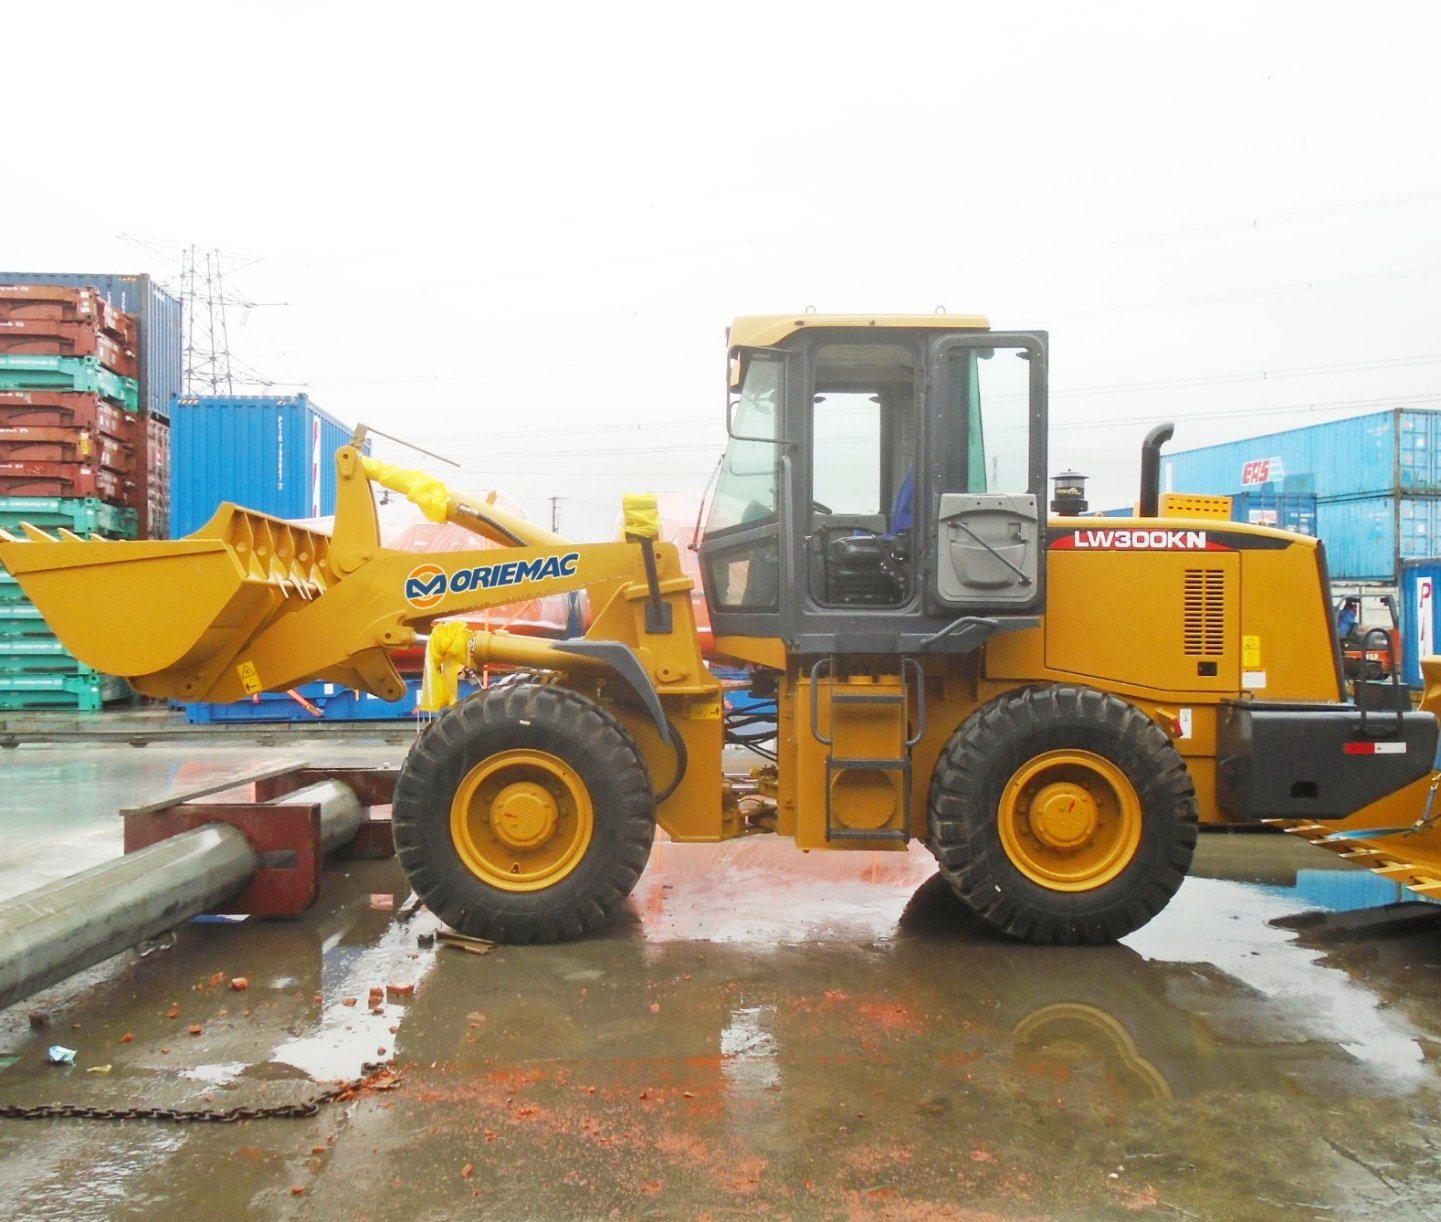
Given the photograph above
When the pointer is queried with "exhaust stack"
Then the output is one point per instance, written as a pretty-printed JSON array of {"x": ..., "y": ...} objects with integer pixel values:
[{"x": 1151, "y": 469}]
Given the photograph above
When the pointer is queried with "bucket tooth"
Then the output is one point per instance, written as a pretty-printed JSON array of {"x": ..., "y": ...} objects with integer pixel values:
[
  {"x": 7, "y": 537},
  {"x": 69, "y": 535},
  {"x": 35, "y": 534}
]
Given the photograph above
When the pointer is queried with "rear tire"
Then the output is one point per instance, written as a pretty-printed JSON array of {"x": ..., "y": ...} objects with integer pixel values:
[
  {"x": 1062, "y": 815},
  {"x": 524, "y": 814}
]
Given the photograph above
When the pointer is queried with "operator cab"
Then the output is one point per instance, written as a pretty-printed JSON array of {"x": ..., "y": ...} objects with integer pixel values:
[{"x": 882, "y": 488}]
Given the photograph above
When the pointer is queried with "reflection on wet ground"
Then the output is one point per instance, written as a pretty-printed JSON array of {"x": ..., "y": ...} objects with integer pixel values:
[{"x": 763, "y": 1031}]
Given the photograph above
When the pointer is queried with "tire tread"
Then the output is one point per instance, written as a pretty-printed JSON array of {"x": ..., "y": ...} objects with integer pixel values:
[
  {"x": 445, "y": 751},
  {"x": 972, "y": 772}
]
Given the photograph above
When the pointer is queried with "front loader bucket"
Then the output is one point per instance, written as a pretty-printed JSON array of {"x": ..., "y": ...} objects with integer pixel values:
[{"x": 170, "y": 616}]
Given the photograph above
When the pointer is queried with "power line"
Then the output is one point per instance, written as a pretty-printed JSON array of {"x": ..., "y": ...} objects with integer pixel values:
[
  {"x": 1251, "y": 412},
  {"x": 1264, "y": 375},
  {"x": 712, "y": 420}
]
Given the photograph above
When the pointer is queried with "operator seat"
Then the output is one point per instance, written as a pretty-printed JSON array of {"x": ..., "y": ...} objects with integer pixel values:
[{"x": 865, "y": 569}]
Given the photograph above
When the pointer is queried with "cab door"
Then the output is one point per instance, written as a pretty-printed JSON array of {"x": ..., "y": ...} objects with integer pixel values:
[{"x": 986, "y": 473}]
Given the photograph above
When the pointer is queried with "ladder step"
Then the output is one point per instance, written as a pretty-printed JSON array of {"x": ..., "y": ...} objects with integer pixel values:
[
  {"x": 836, "y": 763},
  {"x": 894, "y": 698},
  {"x": 859, "y": 833}
]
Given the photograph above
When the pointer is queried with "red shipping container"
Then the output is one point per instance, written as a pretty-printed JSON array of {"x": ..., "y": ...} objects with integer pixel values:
[
  {"x": 87, "y": 306},
  {"x": 66, "y": 480},
  {"x": 65, "y": 409},
  {"x": 49, "y": 338},
  {"x": 78, "y": 303},
  {"x": 67, "y": 445},
  {"x": 153, "y": 478}
]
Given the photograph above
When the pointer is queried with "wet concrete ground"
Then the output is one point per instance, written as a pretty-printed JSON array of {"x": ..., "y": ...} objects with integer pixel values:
[{"x": 764, "y": 1031}]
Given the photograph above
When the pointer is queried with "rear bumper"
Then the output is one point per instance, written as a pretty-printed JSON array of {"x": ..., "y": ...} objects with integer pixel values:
[{"x": 1311, "y": 761}]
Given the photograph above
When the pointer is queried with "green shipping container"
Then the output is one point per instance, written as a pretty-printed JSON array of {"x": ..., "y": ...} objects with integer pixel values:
[
  {"x": 84, "y": 374},
  {"x": 84, "y": 515},
  {"x": 83, "y": 693}
]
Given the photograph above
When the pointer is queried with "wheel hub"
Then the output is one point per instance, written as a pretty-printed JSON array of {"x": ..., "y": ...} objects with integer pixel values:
[
  {"x": 1063, "y": 816},
  {"x": 524, "y": 815},
  {"x": 521, "y": 820},
  {"x": 1070, "y": 820}
]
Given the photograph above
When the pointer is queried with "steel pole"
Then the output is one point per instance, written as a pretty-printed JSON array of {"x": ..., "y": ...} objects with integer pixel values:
[
  {"x": 59, "y": 929},
  {"x": 66, "y": 926},
  {"x": 340, "y": 811}
]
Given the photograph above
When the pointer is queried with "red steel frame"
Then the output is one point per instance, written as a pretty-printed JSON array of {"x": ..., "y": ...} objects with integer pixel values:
[{"x": 286, "y": 836}]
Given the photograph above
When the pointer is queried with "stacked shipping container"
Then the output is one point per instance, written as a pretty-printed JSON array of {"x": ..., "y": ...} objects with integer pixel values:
[
  {"x": 274, "y": 454},
  {"x": 271, "y": 453},
  {"x": 83, "y": 446},
  {"x": 157, "y": 379},
  {"x": 1375, "y": 480}
]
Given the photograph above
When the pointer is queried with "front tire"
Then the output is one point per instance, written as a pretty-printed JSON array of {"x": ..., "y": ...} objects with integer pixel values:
[
  {"x": 524, "y": 814},
  {"x": 1062, "y": 815}
]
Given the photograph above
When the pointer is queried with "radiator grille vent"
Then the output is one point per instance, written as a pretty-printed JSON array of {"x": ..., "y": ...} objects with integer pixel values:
[{"x": 1205, "y": 603}]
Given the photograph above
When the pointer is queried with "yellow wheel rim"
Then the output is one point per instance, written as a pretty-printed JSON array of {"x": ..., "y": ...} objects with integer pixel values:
[
  {"x": 1070, "y": 820},
  {"x": 522, "y": 820}
]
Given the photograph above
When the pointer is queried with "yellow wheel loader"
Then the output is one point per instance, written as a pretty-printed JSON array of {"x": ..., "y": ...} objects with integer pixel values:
[{"x": 1050, "y": 706}]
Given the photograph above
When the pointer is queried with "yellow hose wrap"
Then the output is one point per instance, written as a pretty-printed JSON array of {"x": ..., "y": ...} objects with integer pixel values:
[
  {"x": 446, "y": 653},
  {"x": 429, "y": 493},
  {"x": 642, "y": 515}
]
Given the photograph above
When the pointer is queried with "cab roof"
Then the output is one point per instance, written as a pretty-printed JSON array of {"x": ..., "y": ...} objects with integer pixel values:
[{"x": 767, "y": 330}]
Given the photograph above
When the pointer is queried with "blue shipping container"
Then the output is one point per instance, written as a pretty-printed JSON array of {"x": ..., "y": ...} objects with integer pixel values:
[
  {"x": 275, "y": 454},
  {"x": 1396, "y": 452},
  {"x": 160, "y": 352},
  {"x": 1419, "y": 595},
  {"x": 1368, "y": 538},
  {"x": 334, "y": 702},
  {"x": 1293, "y": 511}
]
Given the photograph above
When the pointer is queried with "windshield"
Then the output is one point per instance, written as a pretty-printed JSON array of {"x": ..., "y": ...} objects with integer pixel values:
[{"x": 746, "y": 487}]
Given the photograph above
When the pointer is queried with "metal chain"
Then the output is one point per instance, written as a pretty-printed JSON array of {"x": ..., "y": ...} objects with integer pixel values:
[{"x": 281, "y": 1111}]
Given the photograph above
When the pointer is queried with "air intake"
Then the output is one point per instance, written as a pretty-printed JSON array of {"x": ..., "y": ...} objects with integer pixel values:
[{"x": 1205, "y": 611}]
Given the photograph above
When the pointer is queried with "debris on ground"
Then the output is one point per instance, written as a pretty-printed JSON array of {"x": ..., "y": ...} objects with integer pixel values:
[
  {"x": 58, "y": 1055},
  {"x": 474, "y": 946}
]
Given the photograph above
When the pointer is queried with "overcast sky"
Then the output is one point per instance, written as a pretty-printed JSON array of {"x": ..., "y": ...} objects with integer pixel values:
[{"x": 517, "y": 233}]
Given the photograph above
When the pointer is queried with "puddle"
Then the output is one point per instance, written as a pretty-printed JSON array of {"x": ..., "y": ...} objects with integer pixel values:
[
  {"x": 216, "y": 1075},
  {"x": 765, "y": 891},
  {"x": 349, "y": 1036},
  {"x": 1229, "y": 927}
]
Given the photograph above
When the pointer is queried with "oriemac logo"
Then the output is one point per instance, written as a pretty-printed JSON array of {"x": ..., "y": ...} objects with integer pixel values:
[{"x": 427, "y": 584}]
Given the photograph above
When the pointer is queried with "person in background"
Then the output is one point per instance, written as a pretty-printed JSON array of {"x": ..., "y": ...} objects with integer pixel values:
[{"x": 1347, "y": 618}]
